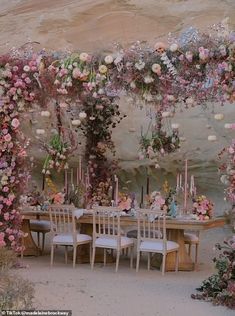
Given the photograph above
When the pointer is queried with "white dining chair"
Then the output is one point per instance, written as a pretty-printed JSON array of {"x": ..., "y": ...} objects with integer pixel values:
[
  {"x": 151, "y": 237},
  {"x": 64, "y": 232},
  {"x": 107, "y": 233}
]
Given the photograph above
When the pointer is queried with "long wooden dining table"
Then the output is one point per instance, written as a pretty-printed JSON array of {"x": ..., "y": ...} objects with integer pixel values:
[{"x": 175, "y": 228}]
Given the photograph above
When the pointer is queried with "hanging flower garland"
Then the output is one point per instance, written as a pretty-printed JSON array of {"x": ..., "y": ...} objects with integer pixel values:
[{"x": 159, "y": 142}]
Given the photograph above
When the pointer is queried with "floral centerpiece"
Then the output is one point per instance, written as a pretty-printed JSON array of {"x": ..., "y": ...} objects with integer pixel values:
[
  {"x": 157, "y": 202},
  {"x": 219, "y": 288},
  {"x": 125, "y": 202},
  {"x": 202, "y": 207}
]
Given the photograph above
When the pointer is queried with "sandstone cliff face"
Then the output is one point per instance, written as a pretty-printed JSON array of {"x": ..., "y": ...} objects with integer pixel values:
[{"x": 89, "y": 25}]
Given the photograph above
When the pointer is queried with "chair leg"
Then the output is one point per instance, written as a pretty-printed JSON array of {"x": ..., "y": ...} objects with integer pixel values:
[
  {"x": 74, "y": 255},
  {"x": 93, "y": 258},
  {"x": 90, "y": 252},
  {"x": 163, "y": 263},
  {"x": 117, "y": 259},
  {"x": 149, "y": 256},
  {"x": 196, "y": 253},
  {"x": 52, "y": 254},
  {"x": 104, "y": 257},
  {"x": 127, "y": 249},
  {"x": 137, "y": 261},
  {"x": 66, "y": 254},
  {"x": 131, "y": 257},
  {"x": 177, "y": 261},
  {"x": 38, "y": 237},
  {"x": 43, "y": 242}
]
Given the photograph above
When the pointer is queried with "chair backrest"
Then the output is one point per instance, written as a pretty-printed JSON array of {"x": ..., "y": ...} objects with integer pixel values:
[
  {"x": 106, "y": 222},
  {"x": 62, "y": 219},
  {"x": 151, "y": 225}
]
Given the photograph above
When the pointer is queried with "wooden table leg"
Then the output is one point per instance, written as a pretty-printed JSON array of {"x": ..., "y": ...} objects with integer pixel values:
[
  {"x": 31, "y": 249},
  {"x": 185, "y": 262},
  {"x": 83, "y": 250}
]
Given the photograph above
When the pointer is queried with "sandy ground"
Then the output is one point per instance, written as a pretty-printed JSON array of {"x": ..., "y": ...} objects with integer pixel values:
[{"x": 126, "y": 293}]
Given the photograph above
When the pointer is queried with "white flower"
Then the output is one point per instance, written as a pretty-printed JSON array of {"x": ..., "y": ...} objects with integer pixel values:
[
  {"x": 83, "y": 56},
  {"x": 148, "y": 79},
  {"x": 156, "y": 68},
  {"x": 103, "y": 69},
  {"x": 140, "y": 65},
  {"x": 175, "y": 125},
  {"x": 45, "y": 113},
  {"x": 148, "y": 96},
  {"x": 227, "y": 125},
  {"x": 132, "y": 85},
  {"x": 26, "y": 68},
  {"x": 189, "y": 101},
  {"x": 212, "y": 138},
  {"x": 219, "y": 116},
  {"x": 174, "y": 47},
  {"x": 76, "y": 122},
  {"x": 108, "y": 59},
  {"x": 170, "y": 97},
  {"x": 40, "y": 131},
  {"x": 166, "y": 114},
  {"x": 82, "y": 115},
  {"x": 118, "y": 59}
]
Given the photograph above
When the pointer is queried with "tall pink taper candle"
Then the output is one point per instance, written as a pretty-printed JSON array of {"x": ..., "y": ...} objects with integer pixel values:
[
  {"x": 185, "y": 184},
  {"x": 80, "y": 168}
]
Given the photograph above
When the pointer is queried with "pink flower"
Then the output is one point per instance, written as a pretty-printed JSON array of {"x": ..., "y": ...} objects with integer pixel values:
[
  {"x": 6, "y": 216},
  {"x": 5, "y": 189},
  {"x": 27, "y": 80},
  {"x": 7, "y": 137},
  {"x": 15, "y": 123},
  {"x": 76, "y": 73},
  {"x": 58, "y": 198},
  {"x": 11, "y": 237}
]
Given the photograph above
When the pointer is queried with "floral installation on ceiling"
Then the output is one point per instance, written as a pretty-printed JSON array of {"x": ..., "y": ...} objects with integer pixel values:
[{"x": 191, "y": 70}]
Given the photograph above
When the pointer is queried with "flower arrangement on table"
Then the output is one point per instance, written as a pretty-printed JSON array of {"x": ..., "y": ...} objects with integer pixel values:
[
  {"x": 202, "y": 208},
  {"x": 125, "y": 202},
  {"x": 157, "y": 202}
]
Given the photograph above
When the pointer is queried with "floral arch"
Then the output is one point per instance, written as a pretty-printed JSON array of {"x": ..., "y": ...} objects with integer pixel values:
[{"x": 192, "y": 70}]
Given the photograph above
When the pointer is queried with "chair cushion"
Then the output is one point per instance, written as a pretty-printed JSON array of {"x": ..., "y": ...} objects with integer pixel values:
[
  {"x": 109, "y": 242},
  {"x": 67, "y": 239},
  {"x": 188, "y": 237},
  {"x": 37, "y": 225},
  {"x": 155, "y": 246}
]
